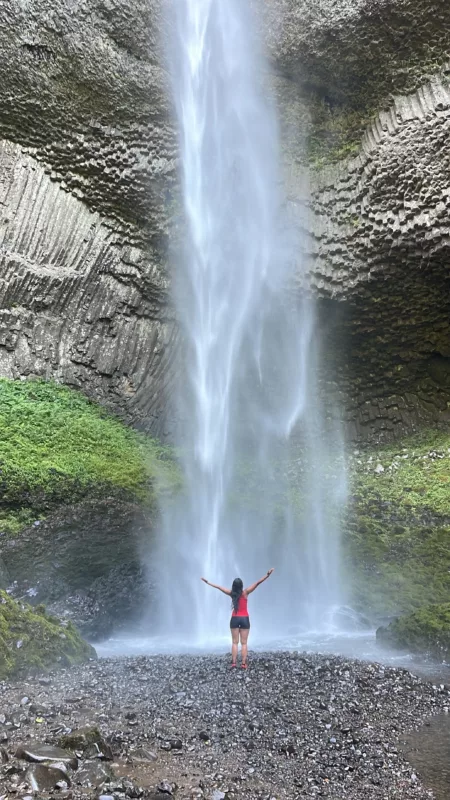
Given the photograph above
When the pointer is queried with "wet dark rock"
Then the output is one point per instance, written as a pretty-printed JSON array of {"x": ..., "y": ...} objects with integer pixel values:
[
  {"x": 425, "y": 631},
  {"x": 93, "y": 774},
  {"x": 43, "y": 778},
  {"x": 165, "y": 787},
  {"x": 99, "y": 750},
  {"x": 67, "y": 566},
  {"x": 46, "y": 752},
  {"x": 157, "y": 795},
  {"x": 33, "y": 641},
  {"x": 128, "y": 788},
  {"x": 176, "y": 744},
  {"x": 141, "y": 755}
]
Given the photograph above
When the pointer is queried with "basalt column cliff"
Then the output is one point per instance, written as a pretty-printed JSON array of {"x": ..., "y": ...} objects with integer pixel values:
[{"x": 88, "y": 188}]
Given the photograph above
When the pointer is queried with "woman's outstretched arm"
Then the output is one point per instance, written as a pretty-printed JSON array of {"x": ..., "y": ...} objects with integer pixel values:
[
  {"x": 258, "y": 583},
  {"x": 220, "y": 588}
]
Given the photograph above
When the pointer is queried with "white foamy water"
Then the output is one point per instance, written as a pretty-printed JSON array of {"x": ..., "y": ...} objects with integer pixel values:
[{"x": 247, "y": 372}]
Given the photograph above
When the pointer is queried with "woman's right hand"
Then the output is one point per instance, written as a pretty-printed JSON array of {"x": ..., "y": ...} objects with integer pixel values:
[
  {"x": 269, "y": 572},
  {"x": 204, "y": 580}
]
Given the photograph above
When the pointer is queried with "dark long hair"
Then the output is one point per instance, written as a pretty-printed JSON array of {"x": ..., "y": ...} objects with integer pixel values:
[{"x": 236, "y": 591}]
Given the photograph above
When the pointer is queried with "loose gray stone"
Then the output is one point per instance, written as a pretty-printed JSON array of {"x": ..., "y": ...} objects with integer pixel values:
[
  {"x": 142, "y": 755},
  {"x": 43, "y": 778},
  {"x": 93, "y": 774},
  {"x": 46, "y": 752}
]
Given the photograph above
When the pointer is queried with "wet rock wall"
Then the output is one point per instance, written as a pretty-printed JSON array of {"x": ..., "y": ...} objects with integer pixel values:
[{"x": 88, "y": 165}]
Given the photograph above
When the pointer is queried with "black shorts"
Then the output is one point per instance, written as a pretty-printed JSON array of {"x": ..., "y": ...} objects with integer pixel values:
[{"x": 243, "y": 623}]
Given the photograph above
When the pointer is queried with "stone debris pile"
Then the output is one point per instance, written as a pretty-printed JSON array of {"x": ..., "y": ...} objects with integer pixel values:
[{"x": 292, "y": 726}]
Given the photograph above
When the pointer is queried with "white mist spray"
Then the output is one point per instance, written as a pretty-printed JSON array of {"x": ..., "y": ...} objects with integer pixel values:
[{"x": 248, "y": 359}]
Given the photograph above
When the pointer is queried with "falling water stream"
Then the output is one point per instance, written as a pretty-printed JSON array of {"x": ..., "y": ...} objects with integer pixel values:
[
  {"x": 247, "y": 388},
  {"x": 263, "y": 478}
]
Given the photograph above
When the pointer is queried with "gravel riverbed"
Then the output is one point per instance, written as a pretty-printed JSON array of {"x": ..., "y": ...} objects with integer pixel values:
[{"x": 291, "y": 726}]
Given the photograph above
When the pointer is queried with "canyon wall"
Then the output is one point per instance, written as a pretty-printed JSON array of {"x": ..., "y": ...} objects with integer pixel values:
[{"x": 88, "y": 195}]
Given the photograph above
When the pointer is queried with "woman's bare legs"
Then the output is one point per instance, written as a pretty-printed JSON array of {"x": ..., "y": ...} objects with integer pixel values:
[
  {"x": 235, "y": 644},
  {"x": 244, "y": 650}
]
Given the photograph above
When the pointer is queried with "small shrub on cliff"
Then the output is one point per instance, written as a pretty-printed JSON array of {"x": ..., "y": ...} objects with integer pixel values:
[{"x": 32, "y": 641}]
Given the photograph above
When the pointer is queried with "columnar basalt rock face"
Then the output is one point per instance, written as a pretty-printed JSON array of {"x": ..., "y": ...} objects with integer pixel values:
[
  {"x": 381, "y": 242},
  {"x": 375, "y": 80},
  {"x": 78, "y": 303},
  {"x": 349, "y": 58},
  {"x": 85, "y": 183},
  {"x": 84, "y": 85},
  {"x": 89, "y": 192}
]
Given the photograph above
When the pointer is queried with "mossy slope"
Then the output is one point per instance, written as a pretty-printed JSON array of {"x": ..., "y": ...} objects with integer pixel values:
[
  {"x": 30, "y": 640},
  {"x": 397, "y": 528},
  {"x": 424, "y": 631},
  {"x": 56, "y": 447}
]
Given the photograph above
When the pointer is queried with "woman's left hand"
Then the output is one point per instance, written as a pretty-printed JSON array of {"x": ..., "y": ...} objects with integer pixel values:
[{"x": 204, "y": 580}]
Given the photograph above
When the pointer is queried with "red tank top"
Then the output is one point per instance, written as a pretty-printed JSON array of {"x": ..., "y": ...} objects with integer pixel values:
[{"x": 242, "y": 610}]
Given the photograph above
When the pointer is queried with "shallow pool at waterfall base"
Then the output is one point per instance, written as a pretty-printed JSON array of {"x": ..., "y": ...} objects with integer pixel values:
[
  {"x": 428, "y": 751},
  {"x": 362, "y": 645}
]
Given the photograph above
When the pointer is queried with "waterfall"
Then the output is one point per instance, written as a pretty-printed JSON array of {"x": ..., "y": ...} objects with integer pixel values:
[{"x": 249, "y": 357}]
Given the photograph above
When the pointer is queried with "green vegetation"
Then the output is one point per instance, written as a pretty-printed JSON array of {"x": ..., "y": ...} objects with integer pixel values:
[
  {"x": 397, "y": 528},
  {"x": 336, "y": 133},
  {"x": 57, "y": 447},
  {"x": 424, "y": 631},
  {"x": 80, "y": 738},
  {"x": 415, "y": 476},
  {"x": 32, "y": 641},
  {"x": 344, "y": 103}
]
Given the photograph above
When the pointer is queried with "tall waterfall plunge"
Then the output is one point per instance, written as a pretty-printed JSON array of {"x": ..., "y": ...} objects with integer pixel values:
[{"x": 249, "y": 357}]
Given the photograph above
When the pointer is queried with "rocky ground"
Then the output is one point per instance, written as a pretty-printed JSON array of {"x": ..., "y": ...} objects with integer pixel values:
[{"x": 291, "y": 726}]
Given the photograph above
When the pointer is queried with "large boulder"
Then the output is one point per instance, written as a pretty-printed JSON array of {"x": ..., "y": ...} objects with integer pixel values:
[
  {"x": 86, "y": 562},
  {"x": 32, "y": 641},
  {"x": 426, "y": 631}
]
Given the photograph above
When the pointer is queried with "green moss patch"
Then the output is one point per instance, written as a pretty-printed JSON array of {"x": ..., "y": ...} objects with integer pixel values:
[
  {"x": 57, "y": 447},
  {"x": 80, "y": 739},
  {"x": 397, "y": 527},
  {"x": 335, "y": 133},
  {"x": 32, "y": 641},
  {"x": 413, "y": 475},
  {"x": 424, "y": 631}
]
